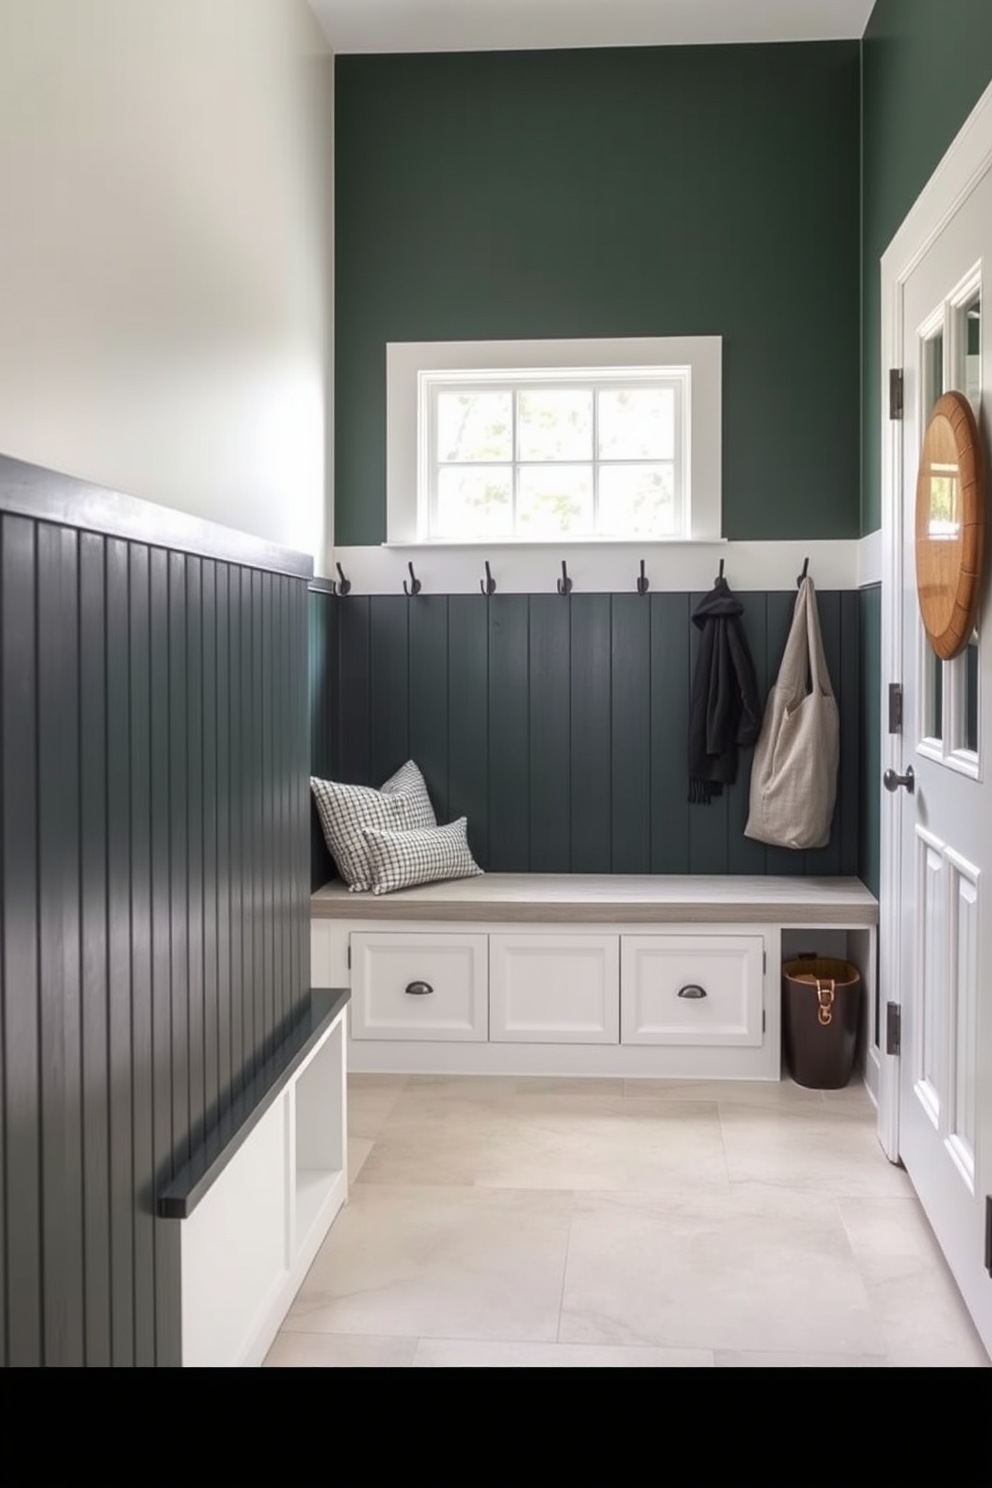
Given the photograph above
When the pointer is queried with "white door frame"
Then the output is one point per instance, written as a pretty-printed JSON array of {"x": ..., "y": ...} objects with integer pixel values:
[{"x": 964, "y": 164}]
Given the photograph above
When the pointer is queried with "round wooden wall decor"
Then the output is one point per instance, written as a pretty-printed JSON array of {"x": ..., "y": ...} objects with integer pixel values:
[{"x": 950, "y": 525}]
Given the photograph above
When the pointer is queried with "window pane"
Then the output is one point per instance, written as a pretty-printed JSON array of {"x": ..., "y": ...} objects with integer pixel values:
[
  {"x": 554, "y": 424},
  {"x": 474, "y": 503},
  {"x": 637, "y": 424},
  {"x": 474, "y": 426},
  {"x": 553, "y": 499},
  {"x": 638, "y": 500}
]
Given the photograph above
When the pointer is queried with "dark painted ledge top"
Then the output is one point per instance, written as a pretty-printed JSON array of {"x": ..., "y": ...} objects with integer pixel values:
[
  {"x": 49, "y": 496},
  {"x": 613, "y": 898},
  {"x": 182, "y": 1195}
]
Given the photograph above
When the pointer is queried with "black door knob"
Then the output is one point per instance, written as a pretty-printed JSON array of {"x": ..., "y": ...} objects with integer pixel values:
[{"x": 892, "y": 781}]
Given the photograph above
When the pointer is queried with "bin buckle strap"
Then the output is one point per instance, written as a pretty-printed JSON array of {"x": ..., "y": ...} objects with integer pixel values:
[{"x": 825, "y": 999}]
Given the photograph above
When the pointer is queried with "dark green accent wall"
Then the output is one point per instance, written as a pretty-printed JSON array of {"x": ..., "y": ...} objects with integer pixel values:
[
  {"x": 647, "y": 191},
  {"x": 558, "y": 726},
  {"x": 870, "y": 605},
  {"x": 925, "y": 64}
]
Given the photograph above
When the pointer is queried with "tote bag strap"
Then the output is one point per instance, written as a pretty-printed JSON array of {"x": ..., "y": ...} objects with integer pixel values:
[
  {"x": 795, "y": 658},
  {"x": 819, "y": 676}
]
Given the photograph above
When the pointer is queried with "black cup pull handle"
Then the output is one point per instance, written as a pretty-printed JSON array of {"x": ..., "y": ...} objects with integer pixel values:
[
  {"x": 693, "y": 991},
  {"x": 419, "y": 989}
]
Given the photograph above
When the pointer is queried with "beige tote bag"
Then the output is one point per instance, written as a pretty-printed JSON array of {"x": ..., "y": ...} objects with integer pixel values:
[{"x": 794, "y": 771}]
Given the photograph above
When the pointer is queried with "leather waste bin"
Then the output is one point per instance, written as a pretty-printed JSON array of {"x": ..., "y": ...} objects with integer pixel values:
[{"x": 821, "y": 1006}]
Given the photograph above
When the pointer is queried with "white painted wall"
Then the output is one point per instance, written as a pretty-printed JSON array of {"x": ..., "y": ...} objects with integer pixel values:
[{"x": 166, "y": 254}]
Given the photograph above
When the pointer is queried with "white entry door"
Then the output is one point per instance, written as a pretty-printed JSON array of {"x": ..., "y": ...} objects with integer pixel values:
[{"x": 945, "y": 960}]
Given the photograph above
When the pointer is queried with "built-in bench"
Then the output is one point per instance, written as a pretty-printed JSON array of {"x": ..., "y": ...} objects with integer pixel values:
[
  {"x": 637, "y": 975},
  {"x": 256, "y": 1199}
]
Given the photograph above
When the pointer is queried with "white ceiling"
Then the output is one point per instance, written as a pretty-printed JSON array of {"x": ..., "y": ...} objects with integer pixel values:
[{"x": 502, "y": 25}]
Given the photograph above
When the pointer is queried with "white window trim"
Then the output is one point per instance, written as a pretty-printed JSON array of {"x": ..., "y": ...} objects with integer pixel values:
[{"x": 406, "y": 360}]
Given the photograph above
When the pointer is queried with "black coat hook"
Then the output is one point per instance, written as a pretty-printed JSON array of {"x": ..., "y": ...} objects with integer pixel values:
[
  {"x": 343, "y": 585},
  {"x": 564, "y": 583},
  {"x": 804, "y": 573},
  {"x": 488, "y": 584},
  {"x": 642, "y": 582},
  {"x": 415, "y": 586},
  {"x": 720, "y": 574}
]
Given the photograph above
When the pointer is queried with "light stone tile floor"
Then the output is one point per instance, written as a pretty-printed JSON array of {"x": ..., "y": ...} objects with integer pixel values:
[{"x": 561, "y": 1223}]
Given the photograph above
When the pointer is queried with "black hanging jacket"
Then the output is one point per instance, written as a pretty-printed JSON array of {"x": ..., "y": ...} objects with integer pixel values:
[{"x": 724, "y": 710}]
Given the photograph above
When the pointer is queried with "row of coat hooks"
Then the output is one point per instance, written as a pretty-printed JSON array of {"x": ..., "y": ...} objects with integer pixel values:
[{"x": 488, "y": 584}]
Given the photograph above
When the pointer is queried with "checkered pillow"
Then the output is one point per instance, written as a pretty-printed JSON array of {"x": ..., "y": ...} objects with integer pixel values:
[
  {"x": 344, "y": 810},
  {"x": 409, "y": 782},
  {"x": 402, "y": 859}
]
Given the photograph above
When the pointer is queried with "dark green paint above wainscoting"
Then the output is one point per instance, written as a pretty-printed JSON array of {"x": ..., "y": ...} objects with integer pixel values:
[
  {"x": 627, "y": 192},
  {"x": 558, "y": 725},
  {"x": 926, "y": 63}
]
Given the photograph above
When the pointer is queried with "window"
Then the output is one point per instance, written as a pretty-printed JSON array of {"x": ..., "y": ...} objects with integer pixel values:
[{"x": 531, "y": 442}]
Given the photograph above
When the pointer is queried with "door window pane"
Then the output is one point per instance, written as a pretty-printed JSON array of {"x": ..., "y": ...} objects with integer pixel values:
[
  {"x": 973, "y": 349},
  {"x": 933, "y": 673},
  {"x": 971, "y": 694},
  {"x": 933, "y": 370}
]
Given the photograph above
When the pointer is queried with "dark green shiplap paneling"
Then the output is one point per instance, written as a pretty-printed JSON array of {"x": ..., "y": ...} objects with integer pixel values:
[
  {"x": 557, "y": 725},
  {"x": 668, "y": 687},
  {"x": 429, "y": 693},
  {"x": 925, "y": 64},
  {"x": 509, "y": 731},
  {"x": 468, "y": 718},
  {"x": 644, "y": 191},
  {"x": 870, "y": 736},
  {"x": 592, "y": 733},
  {"x": 630, "y": 745},
  {"x": 550, "y": 703},
  {"x": 154, "y": 905}
]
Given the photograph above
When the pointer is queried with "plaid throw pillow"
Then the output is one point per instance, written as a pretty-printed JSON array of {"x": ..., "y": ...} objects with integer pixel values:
[
  {"x": 409, "y": 782},
  {"x": 402, "y": 859},
  {"x": 403, "y": 802},
  {"x": 344, "y": 810}
]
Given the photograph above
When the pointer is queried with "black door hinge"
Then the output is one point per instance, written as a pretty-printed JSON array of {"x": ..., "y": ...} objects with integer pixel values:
[
  {"x": 893, "y": 1028},
  {"x": 895, "y": 707},
  {"x": 988, "y": 1233},
  {"x": 895, "y": 392},
  {"x": 349, "y": 955}
]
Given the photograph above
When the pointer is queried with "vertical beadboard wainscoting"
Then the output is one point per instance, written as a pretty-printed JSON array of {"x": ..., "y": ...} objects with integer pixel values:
[
  {"x": 558, "y": 724},
  {"x": 154, "y": 824}
]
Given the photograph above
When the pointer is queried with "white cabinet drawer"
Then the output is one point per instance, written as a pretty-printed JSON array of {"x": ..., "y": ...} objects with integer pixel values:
[
  {"x": 413, "y": 986},
  {"x": 692, "y": 989},
  {"x": 554, "y": 989}
]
